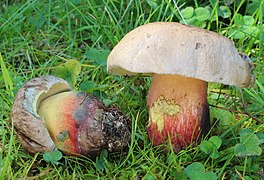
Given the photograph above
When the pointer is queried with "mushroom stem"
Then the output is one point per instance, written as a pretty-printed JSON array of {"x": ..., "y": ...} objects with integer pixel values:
[
  {"x": 79, "y": 123},
  {"x": 178, "y": 110},
  {"x": 57, "y": 112}
]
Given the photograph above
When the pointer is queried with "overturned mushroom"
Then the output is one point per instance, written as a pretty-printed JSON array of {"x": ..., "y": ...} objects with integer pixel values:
[
  {"x": 47, "y": 114},
  {"x": 181, "y": 60}
]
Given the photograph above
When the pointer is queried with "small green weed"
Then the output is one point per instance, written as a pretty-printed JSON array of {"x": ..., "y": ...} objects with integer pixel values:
[
  {"x": 196, "y": 171},
  {"x": 249, "y": 143},
  {"x": 197, "y": 16},
  {"x": 53, "y": 157},
  {"x": 211, "y": 146},
  {"x": 243, "y": 27},
  {"x": 69, "y": 71}
]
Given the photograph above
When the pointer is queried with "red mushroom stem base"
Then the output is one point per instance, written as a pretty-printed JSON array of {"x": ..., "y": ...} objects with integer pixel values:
[{"x": 178, "y": 110}]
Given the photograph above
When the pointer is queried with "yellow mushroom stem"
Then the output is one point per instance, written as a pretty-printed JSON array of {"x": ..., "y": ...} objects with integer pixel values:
[
  {"x": 57, "y": 111},
  {"x": 178, "y": 110}
]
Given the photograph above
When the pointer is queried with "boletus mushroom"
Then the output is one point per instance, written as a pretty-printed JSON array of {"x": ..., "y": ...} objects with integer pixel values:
[
  {"x": 47, "y": 115},
  {"x": 181, "y": 60}
]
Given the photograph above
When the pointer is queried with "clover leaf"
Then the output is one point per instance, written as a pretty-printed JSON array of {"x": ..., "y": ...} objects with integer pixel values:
[
  {"x": 196, "y": 171},
  {"x": 253, "y": 5},
  {"x": 188, "y": 12},
  {"x": 98, "y": 57},
  {"x": 52, "y": 157},
  {"x": 249, "y": 144},
  {"x": 211, "y": 146},
  {"x": 202, "y": 13},
  {"x": 224, "y": 11},
  {"x": 243, "y": 26},
  {"x": 197, "y": 16}
]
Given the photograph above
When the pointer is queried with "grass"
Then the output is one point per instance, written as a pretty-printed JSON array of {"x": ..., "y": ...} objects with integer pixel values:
[{"x": 37, "y": 36}]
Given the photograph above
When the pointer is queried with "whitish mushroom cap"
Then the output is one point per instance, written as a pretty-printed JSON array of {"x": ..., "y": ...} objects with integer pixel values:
[
  {"x": 29, "y": 126},
  {"x": 173, "y": 48}
]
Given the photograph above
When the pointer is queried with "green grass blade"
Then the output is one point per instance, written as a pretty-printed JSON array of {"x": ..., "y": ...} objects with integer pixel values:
[{"x": 8, "y": 81}]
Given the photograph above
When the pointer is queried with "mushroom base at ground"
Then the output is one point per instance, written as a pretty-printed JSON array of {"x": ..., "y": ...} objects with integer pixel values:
[{"x": 178, "y": 110}]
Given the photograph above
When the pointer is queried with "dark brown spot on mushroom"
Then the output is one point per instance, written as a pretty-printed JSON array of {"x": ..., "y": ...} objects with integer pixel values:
[{"x": 198, "y": 46}]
